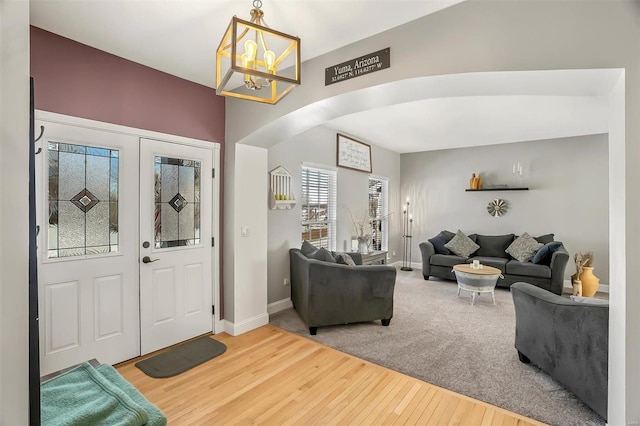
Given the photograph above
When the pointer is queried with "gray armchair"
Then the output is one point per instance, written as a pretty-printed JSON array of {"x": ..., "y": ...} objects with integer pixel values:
[
  {"x": 568, "y": 340},
  {"x": 325, "y": 293}
]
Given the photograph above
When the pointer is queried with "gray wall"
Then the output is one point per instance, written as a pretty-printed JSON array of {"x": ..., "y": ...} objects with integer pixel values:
[
  {"x": 318, "y": 146},
  {"x": 568, "y": 193}
]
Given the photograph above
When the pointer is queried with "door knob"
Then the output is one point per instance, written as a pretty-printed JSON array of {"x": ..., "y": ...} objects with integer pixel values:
[{"x": 147, "y": 259}]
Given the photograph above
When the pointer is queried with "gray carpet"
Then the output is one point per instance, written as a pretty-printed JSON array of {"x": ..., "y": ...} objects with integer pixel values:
[{"x": 441, "y": 339}]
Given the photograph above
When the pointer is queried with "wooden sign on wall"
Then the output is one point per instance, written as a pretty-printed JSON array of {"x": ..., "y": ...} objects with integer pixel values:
[{"x": 357, "y": 67}]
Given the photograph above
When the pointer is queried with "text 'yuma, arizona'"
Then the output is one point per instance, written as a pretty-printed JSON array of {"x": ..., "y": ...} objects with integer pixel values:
[{"x": 359, "y": 66}]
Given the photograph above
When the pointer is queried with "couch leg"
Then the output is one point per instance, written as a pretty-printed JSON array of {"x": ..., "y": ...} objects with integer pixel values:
[
  {"x": 523, "y": 358},
  {"x": 313, "y": 330},
  {"x": 386, "y": 322},
  {"x": 426, "y": 277}
]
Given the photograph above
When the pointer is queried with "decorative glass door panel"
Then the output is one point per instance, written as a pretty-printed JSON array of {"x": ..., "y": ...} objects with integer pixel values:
[
  {"x": 175, "y": 256},
  {"x": 83, "y": 200},
  {"x": 88, "y": 200},
  {"x": 177, "y": 202}
]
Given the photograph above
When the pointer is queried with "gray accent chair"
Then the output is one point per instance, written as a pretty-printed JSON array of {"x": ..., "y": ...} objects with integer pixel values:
[
  {"x": 325, "y": 293},
  {"x": 569, "y": 340}
]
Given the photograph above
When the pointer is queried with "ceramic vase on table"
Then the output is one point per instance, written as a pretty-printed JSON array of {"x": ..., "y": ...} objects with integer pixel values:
[
  {"x": 363, "y": 247},
  {"x": 590, "y": 282}
]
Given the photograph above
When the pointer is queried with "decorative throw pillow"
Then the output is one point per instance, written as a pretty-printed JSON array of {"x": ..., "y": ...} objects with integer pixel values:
[
  {"x": 544, "y": 239},
  {"x": 462, "y": 245},
  {"x": 344, "y": 259},
  {"x": 440, "y": 240},
  {"x": 322, "y": 254},
  {"x": 543, "y": 256},
  {"x": 524, "y": 247},
  {"x": 307, "y": 248}
]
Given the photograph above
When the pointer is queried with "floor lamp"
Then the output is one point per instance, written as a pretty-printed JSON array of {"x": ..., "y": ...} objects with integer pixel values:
[{"x": 406, "y": 237}]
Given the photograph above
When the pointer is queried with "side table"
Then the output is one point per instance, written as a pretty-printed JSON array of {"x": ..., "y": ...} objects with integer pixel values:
[{"x": 377, "y": 257}]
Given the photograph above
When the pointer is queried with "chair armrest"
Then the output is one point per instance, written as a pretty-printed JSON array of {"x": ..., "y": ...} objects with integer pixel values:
[
  {"x": 427, "y": 250},
  {"x": 558, "y": 264}
]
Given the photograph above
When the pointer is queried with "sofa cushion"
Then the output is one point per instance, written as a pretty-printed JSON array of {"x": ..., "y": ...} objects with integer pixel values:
[
  {"x": 308, "y": 248},
  {"x": 462, "y": 245},
  {"x": 440, "y": 240},
  {"x": 493, "y": 245},
  {"x": 322, "y": 254},
  {"x": 496, "y": 262},
  {"x": 344, "y": 259},
  {"x": 543, "y": 256},
  {"x": 544, "y": 239},
  {"x": 448, "y": 260},
  {"x": 528, "y": 269},
  {"x": 524, "y": 247}
]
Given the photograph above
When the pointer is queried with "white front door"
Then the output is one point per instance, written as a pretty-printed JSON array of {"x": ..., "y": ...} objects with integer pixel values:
[
  {"x": 176, "y": 194},
  {"x": 97, "y": 206},
  {"x": 88, "y": 255}
]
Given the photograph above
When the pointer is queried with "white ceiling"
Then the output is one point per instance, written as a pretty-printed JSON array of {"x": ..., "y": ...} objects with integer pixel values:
[{"x": 180, "y": 37}]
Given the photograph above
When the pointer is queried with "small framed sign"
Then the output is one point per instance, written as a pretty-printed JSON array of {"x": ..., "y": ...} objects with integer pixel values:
[{"x": 353, "y": 154}]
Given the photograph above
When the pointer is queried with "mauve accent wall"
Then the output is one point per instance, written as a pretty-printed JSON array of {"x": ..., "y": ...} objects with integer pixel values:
[
  {"x": 78, "y": 80},
  {"x": 74, "y": 79}
]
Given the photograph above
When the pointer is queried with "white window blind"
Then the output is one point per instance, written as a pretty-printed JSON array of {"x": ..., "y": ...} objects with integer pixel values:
[
  {"x": 318, "y": 206},
  {"x": 379, "y": 212}
]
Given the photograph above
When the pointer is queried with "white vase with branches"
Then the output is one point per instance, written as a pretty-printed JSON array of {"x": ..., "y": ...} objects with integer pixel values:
[{"x": 363, "y": 228}]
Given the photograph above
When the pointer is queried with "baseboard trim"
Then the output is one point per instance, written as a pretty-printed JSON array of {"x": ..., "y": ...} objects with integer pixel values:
[
  {"x": 236, "y": 329},
  {"x": 602, "y": 288},
  {"x": 278, "y": 306}
]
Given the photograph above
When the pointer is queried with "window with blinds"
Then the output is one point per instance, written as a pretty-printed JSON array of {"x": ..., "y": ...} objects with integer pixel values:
[
  {"x": 379, "y": 212},
  {"x": 318, "y": 206}
]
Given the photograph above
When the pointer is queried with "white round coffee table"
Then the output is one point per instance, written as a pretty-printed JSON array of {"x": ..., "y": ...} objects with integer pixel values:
[{"x": 477, "y": 281}]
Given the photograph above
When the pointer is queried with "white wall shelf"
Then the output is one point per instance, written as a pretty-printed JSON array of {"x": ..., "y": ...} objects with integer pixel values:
[{"x": 281, "y": 196}]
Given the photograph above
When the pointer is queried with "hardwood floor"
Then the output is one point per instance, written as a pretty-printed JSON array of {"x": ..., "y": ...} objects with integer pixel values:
[{"x": 270, "y": 376}]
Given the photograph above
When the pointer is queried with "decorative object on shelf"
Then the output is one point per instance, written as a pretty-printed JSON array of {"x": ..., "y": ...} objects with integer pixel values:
[
  {"x": 353, "y": 154},
  {"x": 497, "y": 207},
  {"x": 584, "y": 274},
  {"x": 516, "y": 174},
  {"x": 475, "y": 182},
  {"x": 280, "y": 189},
  {"x": 407, "y": 225},
  {"x": 255, "y": 62}
]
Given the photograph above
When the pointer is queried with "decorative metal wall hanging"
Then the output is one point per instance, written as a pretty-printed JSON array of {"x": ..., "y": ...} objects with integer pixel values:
[{"x": 497, "y": 207}]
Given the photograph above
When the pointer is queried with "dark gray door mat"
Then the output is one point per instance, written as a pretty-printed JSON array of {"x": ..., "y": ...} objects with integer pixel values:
[{"x": 182, "y": 358}]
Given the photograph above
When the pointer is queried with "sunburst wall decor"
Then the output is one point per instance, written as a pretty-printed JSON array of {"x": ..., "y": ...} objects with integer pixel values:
[{"x": 497, "y": 207}]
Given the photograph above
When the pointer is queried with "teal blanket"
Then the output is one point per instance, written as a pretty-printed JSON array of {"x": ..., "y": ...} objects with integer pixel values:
[{"x": 89, "y": 396}]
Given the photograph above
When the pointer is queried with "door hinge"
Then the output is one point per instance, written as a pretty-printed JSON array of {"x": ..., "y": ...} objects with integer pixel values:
[
  {"x": 213, "y": 310},
  {"x": 213, "y": 173},
  {"x": 213, "y": 242}
]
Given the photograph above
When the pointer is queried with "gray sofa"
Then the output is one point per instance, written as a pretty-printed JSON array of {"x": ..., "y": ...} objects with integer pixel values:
[
  {"x": 492, "y": 252},
  {"x": 568, "y": 340},
  {"x": 327, "y": 293}
]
